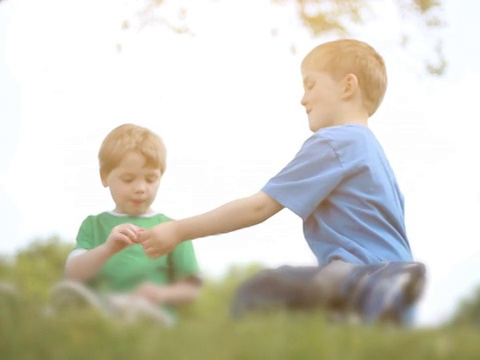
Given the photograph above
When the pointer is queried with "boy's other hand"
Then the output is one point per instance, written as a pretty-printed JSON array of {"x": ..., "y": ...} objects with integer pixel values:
[
  {"x": 159, "y": 240},
  {"x": 150, "y": 292}
]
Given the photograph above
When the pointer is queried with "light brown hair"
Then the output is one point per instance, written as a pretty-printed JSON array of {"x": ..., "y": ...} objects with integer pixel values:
[
  {"x": 347, "y": 56},
  {"x": 131, "y": 138}
]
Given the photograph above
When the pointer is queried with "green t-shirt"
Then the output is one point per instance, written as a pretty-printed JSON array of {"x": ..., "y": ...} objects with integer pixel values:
[{"x": 130, "y": 267}]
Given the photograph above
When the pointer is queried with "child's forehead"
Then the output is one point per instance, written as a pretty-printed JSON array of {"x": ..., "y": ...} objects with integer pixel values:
[
  {"x": 136, "y": 169},
  {"x": 310, "y": 74},
  {"x": 135, "y": 161},
  {"x": 133, "y": 157}
]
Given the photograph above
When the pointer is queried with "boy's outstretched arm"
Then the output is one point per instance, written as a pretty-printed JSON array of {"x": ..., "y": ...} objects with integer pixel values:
[{"x": 234, "y": 215}]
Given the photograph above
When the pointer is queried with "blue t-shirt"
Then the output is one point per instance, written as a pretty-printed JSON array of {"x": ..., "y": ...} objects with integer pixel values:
[{"x": 342, "y": 186}]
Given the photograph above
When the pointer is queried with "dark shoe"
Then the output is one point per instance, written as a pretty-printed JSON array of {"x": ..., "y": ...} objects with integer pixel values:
[
  {"x": 385, "y": 292},
  {"x": 286, "y": 287}
]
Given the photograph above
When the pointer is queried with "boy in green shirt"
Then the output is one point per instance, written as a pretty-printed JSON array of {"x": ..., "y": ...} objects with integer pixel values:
[{"x": 107, "y": 260}]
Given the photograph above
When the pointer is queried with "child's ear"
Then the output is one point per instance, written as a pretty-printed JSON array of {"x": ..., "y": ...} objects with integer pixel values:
[{"x": 350, "y": 85}]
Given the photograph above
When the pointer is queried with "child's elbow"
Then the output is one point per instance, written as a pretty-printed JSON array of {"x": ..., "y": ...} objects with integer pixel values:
[{"x": 264, "y": 206}]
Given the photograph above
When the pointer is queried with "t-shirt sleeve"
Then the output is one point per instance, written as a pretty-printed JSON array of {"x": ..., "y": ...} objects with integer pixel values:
[
  {"x": 308, "y": 179},
  {"x": 85, "y": 239},
  {"x": 184, "y": 261}
]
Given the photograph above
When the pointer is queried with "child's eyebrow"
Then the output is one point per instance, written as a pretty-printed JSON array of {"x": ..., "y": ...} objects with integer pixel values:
[{"x": 306, "y": 79}]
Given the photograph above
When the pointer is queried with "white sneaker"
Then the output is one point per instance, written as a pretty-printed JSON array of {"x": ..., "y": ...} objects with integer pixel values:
[
  {"x": 69, "y": 294},
  {"x": 132, "y": 308}
]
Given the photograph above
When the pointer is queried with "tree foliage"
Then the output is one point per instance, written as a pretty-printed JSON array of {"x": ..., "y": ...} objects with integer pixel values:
[
  {"x": 420, "y": 20},
  {"x": 37, "y": 267},
  {"x": 468, "y": 311}
]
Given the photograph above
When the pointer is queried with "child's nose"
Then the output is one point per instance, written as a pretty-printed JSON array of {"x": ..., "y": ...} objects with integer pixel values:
[
  {"x": 303, "y": 101},
  {"x": 140, "y": 187}
]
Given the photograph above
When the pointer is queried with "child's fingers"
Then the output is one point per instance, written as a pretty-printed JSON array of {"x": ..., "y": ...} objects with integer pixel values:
[
  {"x": 138, "y": 232},
  {"x": 151, "y": 252},
  {"x": 142, "y": 236},
  {"x": 128, "y": 230}
]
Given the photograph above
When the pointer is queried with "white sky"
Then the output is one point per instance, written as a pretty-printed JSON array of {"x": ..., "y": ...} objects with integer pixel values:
[{"x": 227, "y": 103}]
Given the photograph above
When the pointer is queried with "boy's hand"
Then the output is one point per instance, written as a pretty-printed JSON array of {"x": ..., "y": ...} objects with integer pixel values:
[
  {"x": 150, "y": 292},
  {"x": 122, "y": 236},
  {"x": 159, "y": 240}
]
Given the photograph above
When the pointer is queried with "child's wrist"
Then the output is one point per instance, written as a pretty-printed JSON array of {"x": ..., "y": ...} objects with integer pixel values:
[
  {"x": 172, "y": 229},
  {"x": 109, "y": 249},
  {"x": 178, "y": 231}
]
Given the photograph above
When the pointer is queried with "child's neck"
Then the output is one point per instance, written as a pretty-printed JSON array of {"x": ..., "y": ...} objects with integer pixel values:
[{"x": 352, "y": 115}]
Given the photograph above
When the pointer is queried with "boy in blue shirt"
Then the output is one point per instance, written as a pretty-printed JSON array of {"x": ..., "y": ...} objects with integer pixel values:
[{"x": 342, "y": 186}]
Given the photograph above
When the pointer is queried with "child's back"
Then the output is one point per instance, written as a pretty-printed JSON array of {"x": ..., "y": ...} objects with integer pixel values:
[{"x": 342, "y": 186}]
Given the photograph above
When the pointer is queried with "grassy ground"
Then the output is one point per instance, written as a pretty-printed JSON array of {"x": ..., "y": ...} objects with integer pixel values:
[{"x": 206, "y": 332}]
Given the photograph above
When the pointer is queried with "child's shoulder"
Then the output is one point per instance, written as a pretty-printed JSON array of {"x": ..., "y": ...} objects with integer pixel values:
[
  {"x": 101, "y": 215},
  {"x": 345, "y": 135},
  {"x": 352, "y": 143},
  {"x": 347, "y": 130}
]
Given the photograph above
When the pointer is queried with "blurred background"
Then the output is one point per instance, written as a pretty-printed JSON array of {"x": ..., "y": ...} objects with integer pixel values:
[{"x": 220, "y": 82}]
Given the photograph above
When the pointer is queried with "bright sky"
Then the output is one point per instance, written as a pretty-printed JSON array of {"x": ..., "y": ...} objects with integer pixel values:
[{"x": 227, "y": 103}]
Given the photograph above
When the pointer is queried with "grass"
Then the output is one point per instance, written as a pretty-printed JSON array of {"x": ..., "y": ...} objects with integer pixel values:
[{"x": 205, "y": 331}]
